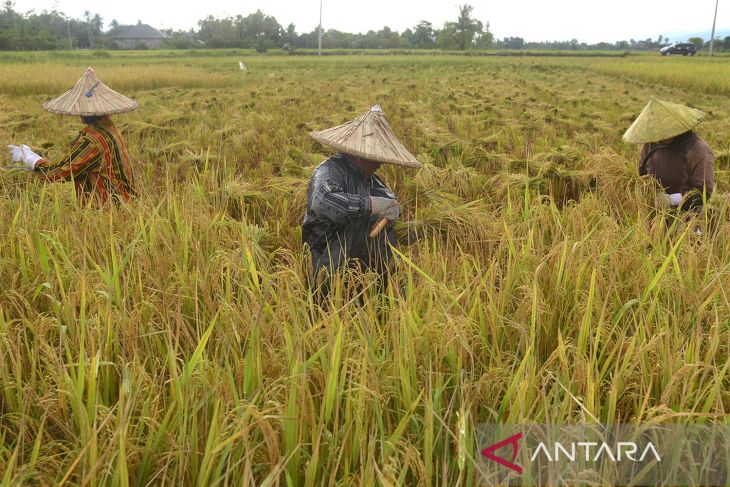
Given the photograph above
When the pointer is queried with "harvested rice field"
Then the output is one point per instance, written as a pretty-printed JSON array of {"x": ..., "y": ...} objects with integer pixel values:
[{"x": 173, "y": 340}]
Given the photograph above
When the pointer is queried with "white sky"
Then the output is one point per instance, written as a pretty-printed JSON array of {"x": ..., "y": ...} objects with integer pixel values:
[{"x": 585, "y": 20}]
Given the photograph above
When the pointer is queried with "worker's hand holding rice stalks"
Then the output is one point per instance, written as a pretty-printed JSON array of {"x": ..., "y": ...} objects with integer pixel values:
[{"x": 22, "y": 157}]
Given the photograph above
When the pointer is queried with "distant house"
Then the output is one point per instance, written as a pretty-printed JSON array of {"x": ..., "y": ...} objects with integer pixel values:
[{"x": 138, "y": 36}]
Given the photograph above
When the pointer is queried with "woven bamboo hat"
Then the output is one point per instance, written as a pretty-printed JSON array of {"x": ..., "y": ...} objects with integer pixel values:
[
  {"x": 90, "y": 97},
  {"x": 662, "y": 120},
  {"x": 368, "y": 136}
]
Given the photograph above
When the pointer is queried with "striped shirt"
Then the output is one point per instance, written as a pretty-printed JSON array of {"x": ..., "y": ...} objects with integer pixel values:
[{"x": 98, "y": 164}]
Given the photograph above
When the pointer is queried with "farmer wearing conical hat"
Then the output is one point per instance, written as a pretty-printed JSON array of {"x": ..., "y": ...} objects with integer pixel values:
[
  {"x": 98, "y": 162},
  {"x": 350, "y": 211},
  {"x": 678, "y": 158}
]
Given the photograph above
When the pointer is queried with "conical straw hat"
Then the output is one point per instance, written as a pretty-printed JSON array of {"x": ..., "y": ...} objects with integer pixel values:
[
  {"x": 368, "y": 136},
  {"x": 90, "y": 97},
  {"x": 662, "y": 120}
]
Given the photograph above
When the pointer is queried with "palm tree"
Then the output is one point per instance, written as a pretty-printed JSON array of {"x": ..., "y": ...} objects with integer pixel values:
[
  {"x": 87, "y": 19},
  {"x": 98, "y": 23},
  {"x": 466, "y": 27}
]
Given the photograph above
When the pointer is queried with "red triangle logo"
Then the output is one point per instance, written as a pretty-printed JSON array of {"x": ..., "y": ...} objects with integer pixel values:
[{"x": 512, "y": 440}]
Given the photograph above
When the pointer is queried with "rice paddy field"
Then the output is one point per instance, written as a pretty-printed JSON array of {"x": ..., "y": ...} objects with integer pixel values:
[{"x": 173, "y": 340}]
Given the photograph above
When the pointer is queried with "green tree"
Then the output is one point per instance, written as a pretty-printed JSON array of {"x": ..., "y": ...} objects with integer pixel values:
[
  {"x": 388, "y": 38},
  {"x": 406, "y": 38},
  {"x": 513, "y": 43},
  {"x": 446, "y": 37},
  {"x": 467, "y": 28},
  {"x": 9, "y": 21},
  {"x": 218, "y": 32},
  {"x": 485, "y": 39},
  {"x": 260, "y": 30},
  {"x": 697, "y": 41},
  {"x": 290, "y": 36},
  {"x": 424, "y": 36},
  {"x": 333, "y": 39},
  {"x": 465, "y": 33},
  {"x": 180, "y": 40}
]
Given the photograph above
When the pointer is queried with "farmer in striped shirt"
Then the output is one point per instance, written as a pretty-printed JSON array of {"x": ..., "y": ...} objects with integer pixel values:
[{"x": 99, "y": 162}]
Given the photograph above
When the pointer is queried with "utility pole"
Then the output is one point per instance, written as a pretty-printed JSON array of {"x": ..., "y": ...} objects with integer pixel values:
[
  {"x": 319, "y": 47},
  {"x": 68, "y": 31},
  {"x": 714, "y": 21}
]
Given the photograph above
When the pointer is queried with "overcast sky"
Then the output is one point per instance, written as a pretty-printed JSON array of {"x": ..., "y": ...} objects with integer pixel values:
[{"x": 585, "y": 20}]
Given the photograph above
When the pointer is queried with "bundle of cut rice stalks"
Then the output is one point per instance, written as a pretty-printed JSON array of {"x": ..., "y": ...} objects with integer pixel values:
[
  {"x": 447, "y": 216},
  {"x": 549, "y": 180},
  {"x": 464, "y": 182}
]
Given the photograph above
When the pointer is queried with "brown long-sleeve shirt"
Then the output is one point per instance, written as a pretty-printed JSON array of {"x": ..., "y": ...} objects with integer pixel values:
[{"x": 685, "y": 164}]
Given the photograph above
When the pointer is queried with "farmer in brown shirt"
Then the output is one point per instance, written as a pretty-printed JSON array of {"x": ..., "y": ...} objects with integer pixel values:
[{"x": 678, "y": 158}]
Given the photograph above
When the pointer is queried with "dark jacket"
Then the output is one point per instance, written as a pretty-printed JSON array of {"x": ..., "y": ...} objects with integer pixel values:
[
  {"x": 685, "y": 164},
  {"x": 338, "y": 220}
]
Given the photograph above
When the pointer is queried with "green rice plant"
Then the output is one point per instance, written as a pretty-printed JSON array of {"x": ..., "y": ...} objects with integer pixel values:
[{"x": 174, "y": 340}]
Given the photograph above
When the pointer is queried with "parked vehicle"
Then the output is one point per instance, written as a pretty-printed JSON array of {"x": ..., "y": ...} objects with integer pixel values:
[{"x": 685, "y": 49}]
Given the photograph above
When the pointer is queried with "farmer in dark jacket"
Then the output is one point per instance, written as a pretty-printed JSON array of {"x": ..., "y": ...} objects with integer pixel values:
[
  {"x": 681, "y": 162},
  {"x": 347, "y": 204}
]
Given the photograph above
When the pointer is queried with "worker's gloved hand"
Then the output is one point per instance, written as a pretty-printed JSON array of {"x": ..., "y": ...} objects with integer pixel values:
[
  {"x": 16, "y": 153},
  {"x": 23, "y": 154},
  {"x": 387, "y": 208},
  {"x": 675, "y": 199}
]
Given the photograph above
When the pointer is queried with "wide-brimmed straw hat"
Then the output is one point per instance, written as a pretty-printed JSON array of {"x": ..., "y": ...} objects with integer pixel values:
[
  {"x": 90, "y": 97},
  {"x": 368, "y": 136},
  {"x": 661, "y": 120}
]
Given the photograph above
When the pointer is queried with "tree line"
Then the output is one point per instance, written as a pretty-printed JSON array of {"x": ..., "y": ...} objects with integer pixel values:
[
  {"x": 630, "y": 45},
  {"x": 49, "y": 30}
]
